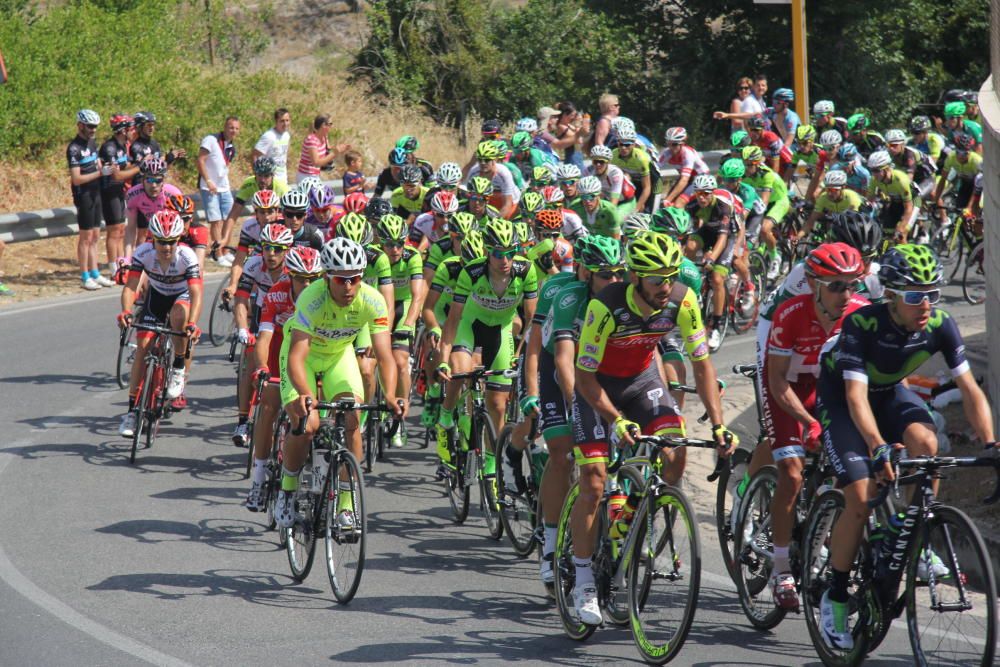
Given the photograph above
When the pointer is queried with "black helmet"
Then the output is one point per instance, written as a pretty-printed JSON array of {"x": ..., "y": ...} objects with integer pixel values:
[
  {"x": 920, "y": 124},
  {"x": 143, "y": 117},
  {"x": 491, "y": 126},
  {"x": 376, "y": 208},
  {"x": 756, "y": 122},
  {"x": 857, "y": 230},
  {"x": 411, "y": 173}
]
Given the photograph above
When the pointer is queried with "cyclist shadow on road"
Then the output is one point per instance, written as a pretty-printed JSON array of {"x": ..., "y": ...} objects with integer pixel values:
[
  {"x": 226, "y": 534},
  {"x": 95, "y": 382}
]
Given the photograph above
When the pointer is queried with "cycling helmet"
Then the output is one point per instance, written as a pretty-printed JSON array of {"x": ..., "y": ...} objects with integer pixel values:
[
  {"x": 463, "y": 222},
  {"x": 732, "y": 168},
  {"x": 755, "y": 122},
  {"x": 783, "y": 95},
  {"x": 635, "y": 223},
  {"x": 444, "y": 202},
  {"x": 823, "y": 107},
  {"x": 353, "y": 226},
  {"x": 953, "y": 109},
  {"x": 857, "y": 122},
  {"x": 532, "y": 202},
  {"x": 182, "y": 205},
  {"x": 920, "y": 124},
  {"x": 166, "y": 225},
  {"x": 526, "y": 124},
  {"x": 479, "y": 185},
  {"x": 308, "y": 184},
  {"x": 322, "y": 197},
  {"x": 502, "y": 146},
  {"x": 857, "y": 230},
  {"x": 143, "y": 117},
  {"x": 277, "y": 234},
  {"x": 833, "y": 259},
  {"x": 549, "y": 219},
  {"x": 491, "y": 126},
  {"x": 895, "y": 137},
  {"x": 739, "y": 139},
  {"x": 521, "y": 142},
  {"x": 500, "y": 233},
  {"x": 553, "y": 195},
  {"x": 675, "y": 135},
  {"x": 356, "y": 202},
  {"x": 88, "y": 117},
  {"x": 397, "y": 157},
  {"x": 970, "y": 97},
  {"x": 598, "y": 252},
  {"x": 153, "y": 166},
  {"x": 831, "y": 139},
  {"x": 704, "y": 182},
  {"x": 626, "y": 134},
  {"x": 263, "y": 166},
  {"x": 303, "y": 261},
  {"x": 673, "y": 221},
  {"x": 804, "y": 133},
  {"x": 653, "y": 252},
  {"x": 753, "y": 154},
  {"x": 343, "y": 254},
  {"x": 411, "y": 174},
  {"x": 847, "y": 152},
  {"x": 472, "y": 246},
  {"x": 391, "y": 228},
  {"x": 964, "y": 142},
  {"x": 541, "y": 175},
  {"x": 621, "y": 122},
  {"x": 488, "y": 150},
  {"x": 909, "y": 265},
  {"x": 294, "y": 200},
  {"x": 265, "y": 200},
  {"x": 879, "y": 159},
  {"x": 408, "y": 143},
  {"x": 589, "y": 185},
  {"x": 835, "y": 178},
  {"x": 601, "y": 152},
  {"x": 376, "y": 208},
  {"x": 449, "y": 173},
  {"x": 567, "y": 171},
  {"x": 526, "y": 233},
  {"x": 121, "y": 121}
]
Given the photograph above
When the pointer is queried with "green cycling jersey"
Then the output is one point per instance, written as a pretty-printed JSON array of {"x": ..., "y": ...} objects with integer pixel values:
[
  {"x": 481, "y": 301},
  {"x": 606, "y": 220}
]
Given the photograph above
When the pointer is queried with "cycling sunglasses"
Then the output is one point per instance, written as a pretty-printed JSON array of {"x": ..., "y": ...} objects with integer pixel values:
[
  {"x": 597, "y": 162},
  {"x": 479, "y": 198},
  {"x": 656, "y": 279},
  {"x": 393, "y": 244},
  {"x": 840, "y": 286},
  {"x": 172, "y": 242},
  {"x": 588, "y": 197},
  {"x": 544, "y": 233},
  {"x": 308, "y": 277},
  {"x": 610, "y": 274},
  {"x": 509, "y": 253},
  {"x": 294, "y": 214},
  {"x": 916, "y": 297},
  {"x": 273, "y": 247},
  {"x": 626, "y": 144},
  {"x": 153, "y": 181},
  {"x": 569, "y": 181},
  {"x": 344, "y": 280}
]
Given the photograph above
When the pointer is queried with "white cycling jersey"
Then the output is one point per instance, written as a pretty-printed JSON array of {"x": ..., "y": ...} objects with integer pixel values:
[
  {"x": 503, "y": 182},
  {"x": 255, "y": 276},
  {"x": 182, "y": 270},
  {"x": 573, "y": 227}
]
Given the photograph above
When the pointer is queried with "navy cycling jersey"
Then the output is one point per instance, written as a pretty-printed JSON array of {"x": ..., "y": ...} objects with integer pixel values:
[
  {"x": 872, "y": 349},
  {"x": 309, "y": 236},
  {"x": 143, "y": 148},
  {"x": 113, "y": 152},
  {"x": 82, "y": 153}
]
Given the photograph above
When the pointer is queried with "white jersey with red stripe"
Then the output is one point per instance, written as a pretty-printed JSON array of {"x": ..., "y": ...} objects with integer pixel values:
[
  {"x": 255, "y": 276},
  {"x": 182, "y": 270},
  {"x": 572, "y": 227},
  {"x": 688, "y": 161}
]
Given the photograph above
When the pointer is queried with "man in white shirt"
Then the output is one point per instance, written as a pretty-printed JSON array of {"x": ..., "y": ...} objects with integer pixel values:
[
  {"x": 214, "y": 156},
  {"x": 274, "y": 144}
]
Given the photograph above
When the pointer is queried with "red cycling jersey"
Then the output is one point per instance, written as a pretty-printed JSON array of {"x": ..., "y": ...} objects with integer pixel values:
[{"x": 278, "y": 308}]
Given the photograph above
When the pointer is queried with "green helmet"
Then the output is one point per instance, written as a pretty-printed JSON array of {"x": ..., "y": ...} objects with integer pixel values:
[
  {"x": 525, "y": 233},
  {"x": 909, "y": 265},
  {"x": 354, "y": 226},
  {"x": 472, "y": 246},
  {"x": 541, "y": 176},
  {"x": 463, "y": 222},
  {"x": 598, "y": 252},
  {"x": 673, "y": 221},
  {"x": 488, "y": 150},
  {"x": 502, "y": 147},
  {"x": 532, "y": 203},
  {"x": 953, "y": 109},
  {"x": 635, "y": 223},
  {"x": 858, "y": 122},
  {"x": 521, "y": 141},
  {"x": 805, "y": 133},
  {"x": 653, "y": 252},
  {"x": 391, "y": 227},
  {"x": 739, "y": 139},
  {"x": 732, "y": 168},
  {"x": 479, "y": 185},
  {"x": 500, "y": 233},
  {"x": 408, "y": 143}
]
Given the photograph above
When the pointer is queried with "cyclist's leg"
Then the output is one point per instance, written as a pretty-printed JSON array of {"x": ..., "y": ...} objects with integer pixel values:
[
  {"x": 647, "y": 402},
  {"x": 342, "y": 380},
  {"x": 909, "y": 422},
  {"x": 401, "y": 350},
  {"x": 556, "y": 430},
  {"x": 366, "y": 362},
  {"x": 787, "y": 449},
  {"x": 590, "y": 450},
  {"x": 498, "y": 355}
]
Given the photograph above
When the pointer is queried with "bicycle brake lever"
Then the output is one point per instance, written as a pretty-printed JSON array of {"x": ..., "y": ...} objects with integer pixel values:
[{"x": 719, "y": 464}]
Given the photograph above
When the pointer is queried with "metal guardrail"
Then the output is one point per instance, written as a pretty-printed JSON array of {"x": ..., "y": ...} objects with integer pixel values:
[{"x": 54, "y": 222}]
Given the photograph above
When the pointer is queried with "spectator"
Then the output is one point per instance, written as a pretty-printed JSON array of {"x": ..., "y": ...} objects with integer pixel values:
[
  {"x": 84, "y": 177},
  {"x": 144, "y": 145},
  {"x": 547, "y": 119},
  {"x": 114, "y": 162},
  {"x": 274, "y": 144},
  {"x": 4, "y": 290},
  {"x": 354, "y": 179},
  {"x": 610, "y": 108},
  {"x": 749, "y": 102},
  {"x": 572, "y": 129},
  {"x": 214, "y": 156},
  {"x": 316, "y": 150}
]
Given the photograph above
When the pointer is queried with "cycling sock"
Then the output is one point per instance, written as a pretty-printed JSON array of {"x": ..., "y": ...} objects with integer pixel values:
[
  {"x": 780, "y": 563},
  {"x": 584, "y": 573},
  {"x": 289, "y": 480},
  {"x": 131, "y": 403},
  {"x": 741, "y": 488},
  {"x": 447, "y": 418},
  {"x": 243, "y": 419},
  {"x": 84, "y": 276},
  {"x": 94, "y": 273},
  {"x": 838, "y": 586},
  {"x": 551, "y": 533},
  {"x": 179, "y": 361},
  {"x": 259, "y": 471},
  {"x": 489, "y": 463}
]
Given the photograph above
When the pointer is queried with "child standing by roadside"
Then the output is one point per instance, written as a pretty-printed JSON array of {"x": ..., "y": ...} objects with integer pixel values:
[{"x": 354, "y": 179}]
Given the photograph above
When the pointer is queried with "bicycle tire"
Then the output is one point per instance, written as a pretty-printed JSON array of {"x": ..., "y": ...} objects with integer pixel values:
[
  {"x": 123, "y": 366},
  {"x": 345, "y": 551},
  {"x": 723, "y": 508},
  {"x": 974, "y": 276},
  {"x": 370, "y": 442},
  {"x": 456, "y": 484},
  {"x": 300, "y": 545},
  {"x": 140, "y": 409},
  {"x": 488, "y": 483},
  {"x": 723, "y": 325},
  {"x": 216, "y": 320},
  {"x": 643, "y": 603},
  {"x": 754, "y": 568},
  {"x": 616, "y": 607},
  {"x": 517, "y": 507},
  {"x": 272, "y": 479},
  {"x": 742, "y": 323},
  {"x": 565, "y": 576},
  {"x": 979, "y": 584},
  {"x": 157, "y": 403}
]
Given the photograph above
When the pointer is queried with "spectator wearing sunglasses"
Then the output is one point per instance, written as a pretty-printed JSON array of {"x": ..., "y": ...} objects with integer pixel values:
[
  {"x": 746, "y": 103},
  {"x": 84, "y": 176}
]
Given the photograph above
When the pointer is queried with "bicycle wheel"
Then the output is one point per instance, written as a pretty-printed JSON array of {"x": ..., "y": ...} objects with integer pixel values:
[
  {"x": 947, "y": 245},
  {"x": 219, "y": 317},
  {"x": 126, "y": 355},
  {"x": 345, "y": 541},
  {"x": 157, "y": 404},
  {"x": 370, "y": 443},
  {"x": 723, "y": 325},
  {"x": 488, "y": 498},
  {"x": 301, "y": 536},
  {"x": 665, "y": 574},
  {"x": 951, "y": 607},
  {"x": 272, "y": 480},
  {"x": 728, "y": 480},
  {"x": 458, "y": 480},
  {"x": 974, "y": 278},
  {"x": 608, "y": 557},
  {"x": 753, "y": 555},
  {"x": 746, "y": 304},
  {"x": 141, "y": 414},
  {"x": 517, "y": 502},
  {"x": 565, "y": 574}
]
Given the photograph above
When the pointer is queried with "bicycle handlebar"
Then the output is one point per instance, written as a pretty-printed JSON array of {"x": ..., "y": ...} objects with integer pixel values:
[
  {"x": 158, "y": 329},
  {"x": 926, "y": 464},
  {"x": 661, "y": 442},
  {"x": 746, "y": 370},
  {"x": 344, "y": 405},
  {"x": 483, "y": 372}
]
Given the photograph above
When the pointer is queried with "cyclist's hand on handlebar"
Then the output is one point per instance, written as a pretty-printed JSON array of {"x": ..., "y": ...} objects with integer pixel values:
[
  {"x": 812, "y": 439},
  {"x": 726, "y": 440},
  {"x": 881, "y": 463},
  {"x": 193, "y": 331},
  {"x": 299, "y": 408},
  {"x": 245, "y": 337},
  {"x": 226, "y": 295},
  {"x": 444, "y": 372},
  {"x": 398, "y": 406},
  {"x": 262, "y": 372},
  {"x": 434, "y": 336},
  {"x": 530, "y": 405},
  {"x": 124, "y": 319},
  {"x": 623, "y": 432}
]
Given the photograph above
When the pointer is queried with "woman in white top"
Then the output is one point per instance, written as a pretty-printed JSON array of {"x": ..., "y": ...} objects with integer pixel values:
[{"x": 745, "y": 105}]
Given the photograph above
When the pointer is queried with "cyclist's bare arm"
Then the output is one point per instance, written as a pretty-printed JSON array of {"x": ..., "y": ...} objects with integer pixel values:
[
  {"x": 781, "y": 389},
  {"x": 976, "y": 406}
]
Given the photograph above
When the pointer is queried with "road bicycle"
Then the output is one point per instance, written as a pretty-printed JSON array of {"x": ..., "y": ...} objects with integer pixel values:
[
  {"x": 939, "y": 557},
  {"x": 377, "y": 432},
  {"x": 254, "y": 412},
  {"x": 221, "y": 322},
  {"x": 742, "y": 298},
  {"x": 519, "y": 497},
  {"x": 151, "y": 403},
  {"x": 126, "y": 349}
]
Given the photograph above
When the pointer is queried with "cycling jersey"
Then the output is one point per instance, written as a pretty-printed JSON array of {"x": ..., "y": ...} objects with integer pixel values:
[
  {"x": 868, "y": 144},
  {"x": 136, "y": 200},
  {"x": 404, "y": 206},
  {"x": 503, "y": 181},
  {"x": 249, "y": 188},
  {"x": 438, "y": 251},
  {"x": 615, "y": 182},
  {"x": 534, "y": 158},
  {"x": 112, "y": 152},
  {"x": 445, "y": 277},
  {"x": 386, "y": 181},
  {"x": 636, "y": 165},
  {"x": 752, "y": 202},
  {"x": 817, "y": 158},
  {"x": 142, "y": 148},
  {"x": 409, "y": 267},
  {"x": 278, "y": 307},
  {"x": 481, "y": 303},
  {"x": 556, "y": 252},
  {"x": 796, "y": 332},
  {"x": 849, "y": 201},
  {"x": 175, "y": 278},
  {"x": 549, "y": 304},
  {"x": 616, "y": 340},
  {"x": 767, "y": 180},
  {"x": 931, "y": 146},
  {"x": 785, "y": 124},
  {"x": 688, "y": 161},
  {"x": 332, "y": 328},
  {"x": 897, "y": 190},
  {"x": 718, "y": 215},
  {"x": 423, "y": 227},
  {"x": 572, "y": 227},
  {"x": 605, "y": 220},
  {"x": 964, "y": 171},
  {"x": 858, "y": 179},
  {"x": 82, "y": 153},
  {"x": 774, "y": 147},
  {"x": 378, "y": 270},
  {"x": 255, "y": 277}
]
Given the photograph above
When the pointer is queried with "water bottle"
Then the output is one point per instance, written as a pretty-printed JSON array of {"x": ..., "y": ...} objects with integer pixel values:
[
  {"x": 318, "y": 466},
  {"x": 306, "y": 477},
  {"x": 620, "y": 527}
]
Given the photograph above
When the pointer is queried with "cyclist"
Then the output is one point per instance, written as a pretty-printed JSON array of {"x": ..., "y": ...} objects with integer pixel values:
[
  {"x": 266, "y": 209},
  {"x": 329, "y": 314},
  {"x": 955, "y": 123},
  {"x": 259, "y": 273},
  {"x": 541, "y": 177},
  {"x": 572, "y": 227},
  {"x": 478, "y": 191},
  {"x": 731, "y": 175},
  {"x": 143, "y": 200},
  {"x": 835, "y": 199},
  {"x": 772, "y": 191},
  {"x": 925, "y": 141},
  {"x": 791, "y": 365},
  {"x": 598, "y": 216},
  {"x": 262, "y": 179},
  {"x": 173, "y": 295},
  {"x": 962, "y": 166},
  {"x": 866, "y": 408},
  {"x": 635, "y": 163},
  {"x": 303, "y": 267},
  {"x": 389, "y": 179},
  {"x": 506, "y": 194},
  {"x": 448, "y": 177},
  {"x": 687, "y": 161},
  {"x": 616, "y": 187},
  {"x": 450, "y": 244},
  {"x": 429, "y": 228},
  {"x": 410, "y": 145},
  {"x": 619, "y": 389},
  {"x": 408, "y": 199},
  {"x": 553, "y": 254},
  {"x": 850, "y": 162},
  {"x": 323, "y": 211},
  {"x": 738, "y": 140},
  {"x": 779, "y": 156},
  {"x": 781, "y": 116},
  {"x": 483, "y": 309},
  {"x": 893, "y": 187},
  {"x": 526, "y": 156},
  {"x": 805, "y": 152},
  {"x": 918, "y": 166},
  {"x": 824, "y": 120},
  {"x": 864, "y": 139}
]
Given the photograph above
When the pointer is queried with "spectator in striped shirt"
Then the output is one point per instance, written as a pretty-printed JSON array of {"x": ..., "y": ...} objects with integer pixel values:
[{"x": 317, "y": 154}]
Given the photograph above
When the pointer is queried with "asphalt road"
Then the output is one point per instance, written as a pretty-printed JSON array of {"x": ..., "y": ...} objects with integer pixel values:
[{"x": 106, "y": 563}]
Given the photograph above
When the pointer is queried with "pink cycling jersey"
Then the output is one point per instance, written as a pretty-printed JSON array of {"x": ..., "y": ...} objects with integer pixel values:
[{"x": 137, "y": 202}]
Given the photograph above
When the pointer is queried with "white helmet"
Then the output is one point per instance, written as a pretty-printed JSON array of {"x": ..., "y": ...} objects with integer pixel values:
[
  {"x": 340, "y": 254},
  {"x": 444, "y": 202},
  {"x": 526, "y": 124},
  {"x": 823, "y": 107},
  {"x": 88, "y": 117},
  {"x": 277, "y": 234},
  {"x": 626, "y": 134},
  {"x": 166, "y": 224},
  {"x": 705, "y": 182},
  {"x": 589, "y": 185},
  {"x": 879, "y": 159},
  {"x": 675, "y": 135},
  {"x": 635, "y": 223},
  {"x": 449, "y": 173},
  {"x": 895, "y": 137},
  {"x": 567, "y": 171},
  {"x": 601, "y": 152},
  {"x": 308, "y": 183},
  {"x": 830, "y": 138},
  {"x": 295, "y": 200},
  {"x": 621, "y": 122},
  {"x": 303, "y": 261},
  {"x": 835, "y": 178}
]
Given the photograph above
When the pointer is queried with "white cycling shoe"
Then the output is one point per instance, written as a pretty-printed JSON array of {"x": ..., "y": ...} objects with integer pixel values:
[
  {"x": 926, "y": 566},
  {"x": 284, "y": 509},
  {"x": 833, "y": 624},
  {"x": 127, "y": 427},
  {"x": 587, "y": 608},
  {"x": 175, "y": 383},
  {"x": 545, "y": 570},
  {"x": 255, "y": 498}
]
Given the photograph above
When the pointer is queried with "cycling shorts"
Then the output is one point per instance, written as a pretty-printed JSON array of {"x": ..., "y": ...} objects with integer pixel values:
[
  {"x": 113, "y": 207},
  {"x": 777, "y": 210},
  {"x": 894, "y": 411},
  {"x": 401, "y": 342},
  {"x": 341, "y": 375},
  {"x": 553, "y": 422},
  {"x": 708, "y": 237},
  {"x": 642, "y": 399},
  {"x": 156, "y": 308},
  {"x": 753, "y": 224},
  {"x": 88, "y": 209},
  {"x": 497, "y": 343},
  {"x": 784, "y": 430}
]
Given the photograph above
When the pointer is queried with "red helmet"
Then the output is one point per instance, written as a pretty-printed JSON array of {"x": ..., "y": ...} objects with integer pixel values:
[
  {"x": 553, "y": 194},
  {"x": 166, "y": 225},
  {"x": 834, "y": 259},
  {"x": 303, "y": 261},
  {"x": 550, "y": 219},
  {"x": 277, "y": 234},
  {"x": 182, "y": 205},
  {"x": 121, "y": 121},
  {"x": 444, "y": 202},
  {"x": 355, "y": 202},
  {"x": 266, "y": 200}
]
